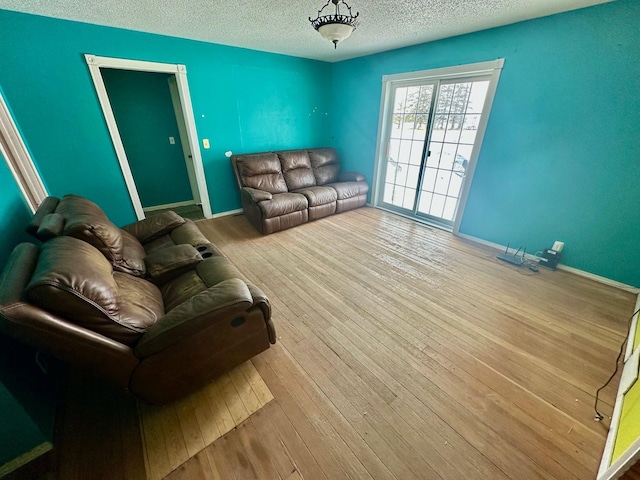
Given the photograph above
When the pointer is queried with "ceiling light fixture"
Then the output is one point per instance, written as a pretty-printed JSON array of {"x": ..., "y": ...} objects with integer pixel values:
[{"x": 338, "y": 26}]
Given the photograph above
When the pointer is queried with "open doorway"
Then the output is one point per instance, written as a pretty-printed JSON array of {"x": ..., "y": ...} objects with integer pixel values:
[{"x": 145, "y": 195}]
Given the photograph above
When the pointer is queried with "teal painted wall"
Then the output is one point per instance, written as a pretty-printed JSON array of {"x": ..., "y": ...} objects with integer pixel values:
[
  {"x": 243, "y": 101},
  {"x": 561, "y": 154},
  {"x": 141, "y": 104},
  {"x": 27, "y": 398},
  {"x": 14, "y": 213}
]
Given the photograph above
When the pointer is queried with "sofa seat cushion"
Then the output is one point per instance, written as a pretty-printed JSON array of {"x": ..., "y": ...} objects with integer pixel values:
[
  {"x": 140, "y": 302},
  {"x": 296, "y": 167},
  {"x": 317, "y": 196},
  {"x": 74, "y": 280},
  {"x": 283, "y": 204},
  {"x": 262, "y": 171},
  {"x": 346, "y": 190}
]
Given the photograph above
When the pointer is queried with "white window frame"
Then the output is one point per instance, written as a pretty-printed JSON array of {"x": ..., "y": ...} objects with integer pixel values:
[
  {"x": 180, "y": 72},
  {"x": 390, "y": 82},
  {"x": 19, "y": 161}
]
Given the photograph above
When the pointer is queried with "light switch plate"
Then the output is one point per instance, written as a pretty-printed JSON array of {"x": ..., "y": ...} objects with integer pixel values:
[
  {"x": 630, "y": 372},
  {"x": 205, "y": 143}
]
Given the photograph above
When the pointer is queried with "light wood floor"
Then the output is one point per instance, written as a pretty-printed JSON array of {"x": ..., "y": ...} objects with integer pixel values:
[{"x": 403, "y": 353}]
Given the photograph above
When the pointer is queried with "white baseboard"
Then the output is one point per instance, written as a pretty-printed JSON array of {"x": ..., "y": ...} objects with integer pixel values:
[
  {"x": 227, "y": 213},
  {"x": 575, "y": 271},
  {"x": 169, "y": 205}
]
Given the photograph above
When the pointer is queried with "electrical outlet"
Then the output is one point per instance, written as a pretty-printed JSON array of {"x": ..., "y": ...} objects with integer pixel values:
[
  {"x": 205, "y": 143},
  {"x": 557, "y": 246},
  {"x": 172, "y": 140}
]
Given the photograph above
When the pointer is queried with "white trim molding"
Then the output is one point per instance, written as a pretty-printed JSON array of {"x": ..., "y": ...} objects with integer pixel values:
[
  {"x": 14, "y": 151},
  {"x": 575, "y": 271},
  {"x": 227, "y": 213},
  {"x": 94, "y": 63},
  {"x": 170, "y": 205}
]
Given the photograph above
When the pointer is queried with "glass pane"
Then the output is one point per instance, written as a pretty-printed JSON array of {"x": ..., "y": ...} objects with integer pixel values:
[
  {"x": 408, "y": 126},
  {"x": 420, "y": 131},
  {"x": 392, "y": 172},
  {"x": 425, "y": 202},
  {"x": 460, "y": 97},
  {"x": 454, "y": 125},
  {"x": 396, "y": 128},
  {"x": 398, "y": 196},
  {"x": 434, "y": 159},
  {"x": 448, "y": 156},
  {"x": 401, "y": 100},
  {"x": 450, "y": 205},
  {"x": 429, "y": 179},
  {"x": 477, "y": 97},
  {"x": 455, "y": 186},
  {"x": 445, "y": 98},
  {"x": 464, "y": 153},
  {"x": 424, "y": 103},
  {"x": 469, "y": 129},
  {"x": 412, "y": 176},
  {"x": 437, "y": 205},
  {"x": 409, "y": 198},
  {"x": 439, "y": 127},
  {"x": 442, "y": 182},
  {"x": 405, "y": 151},
  {"x": 416, "y": 153},
  {"x": 394, "y": 149},
  {"x": 401, "y": 176}
]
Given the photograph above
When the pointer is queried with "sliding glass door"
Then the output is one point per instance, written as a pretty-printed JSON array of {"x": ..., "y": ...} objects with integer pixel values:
[{"x": 430, "y": 140}]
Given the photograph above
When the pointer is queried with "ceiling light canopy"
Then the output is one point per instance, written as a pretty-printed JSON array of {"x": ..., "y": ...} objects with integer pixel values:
[{"x": 338, "y": 26}]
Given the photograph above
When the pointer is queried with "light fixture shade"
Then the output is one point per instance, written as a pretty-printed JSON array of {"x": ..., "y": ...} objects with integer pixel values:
[
  {"x": 335, "y": 32},
  {"x": 338, "y": 26}
]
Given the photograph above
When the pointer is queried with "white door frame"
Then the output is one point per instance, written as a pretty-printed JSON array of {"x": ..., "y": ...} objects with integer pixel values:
[
  {"x": 180, "y": 72},
  {"x": 14, "y": 151},
  {"x": 389, "y": 82}
]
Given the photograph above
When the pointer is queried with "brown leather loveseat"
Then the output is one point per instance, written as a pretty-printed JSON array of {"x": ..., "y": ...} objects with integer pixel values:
[
  {"x": 159, "y": 330},
  {"x": 286, "y": 188}
]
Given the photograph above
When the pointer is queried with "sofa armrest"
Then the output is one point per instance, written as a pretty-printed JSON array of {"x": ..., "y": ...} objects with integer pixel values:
[
  {"x": 350, "y": 177},
  {"x": 52, "y": 226},
  {"x": 171, "y": 260},
  {"x": 47, "y": 206},
  {"x": 154, "y": 226},
  {"x": 228, "y": 298},
  {"x": 257, "y": 195}
]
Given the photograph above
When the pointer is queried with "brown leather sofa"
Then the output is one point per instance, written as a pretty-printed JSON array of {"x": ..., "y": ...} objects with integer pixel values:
[
  {"x": 160, "y": 338},
  {"x": 286, "y": 188}
]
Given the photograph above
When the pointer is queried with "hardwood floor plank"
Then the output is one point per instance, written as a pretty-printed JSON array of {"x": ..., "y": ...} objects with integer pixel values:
[{"x": 284, "y": 374}]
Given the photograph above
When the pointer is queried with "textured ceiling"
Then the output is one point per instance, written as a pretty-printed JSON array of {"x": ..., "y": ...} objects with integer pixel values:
[{"x": 282, "y": 26}]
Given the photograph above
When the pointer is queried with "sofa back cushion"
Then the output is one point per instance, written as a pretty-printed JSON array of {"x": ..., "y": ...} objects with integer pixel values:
[
  {"x": 75, "y": 281},
  {"x": 86, "y": 221},
  {"x": 296, "y": 167},
  {"x": 324, "y": 162},
  {"x": 261, "y": 171}
]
